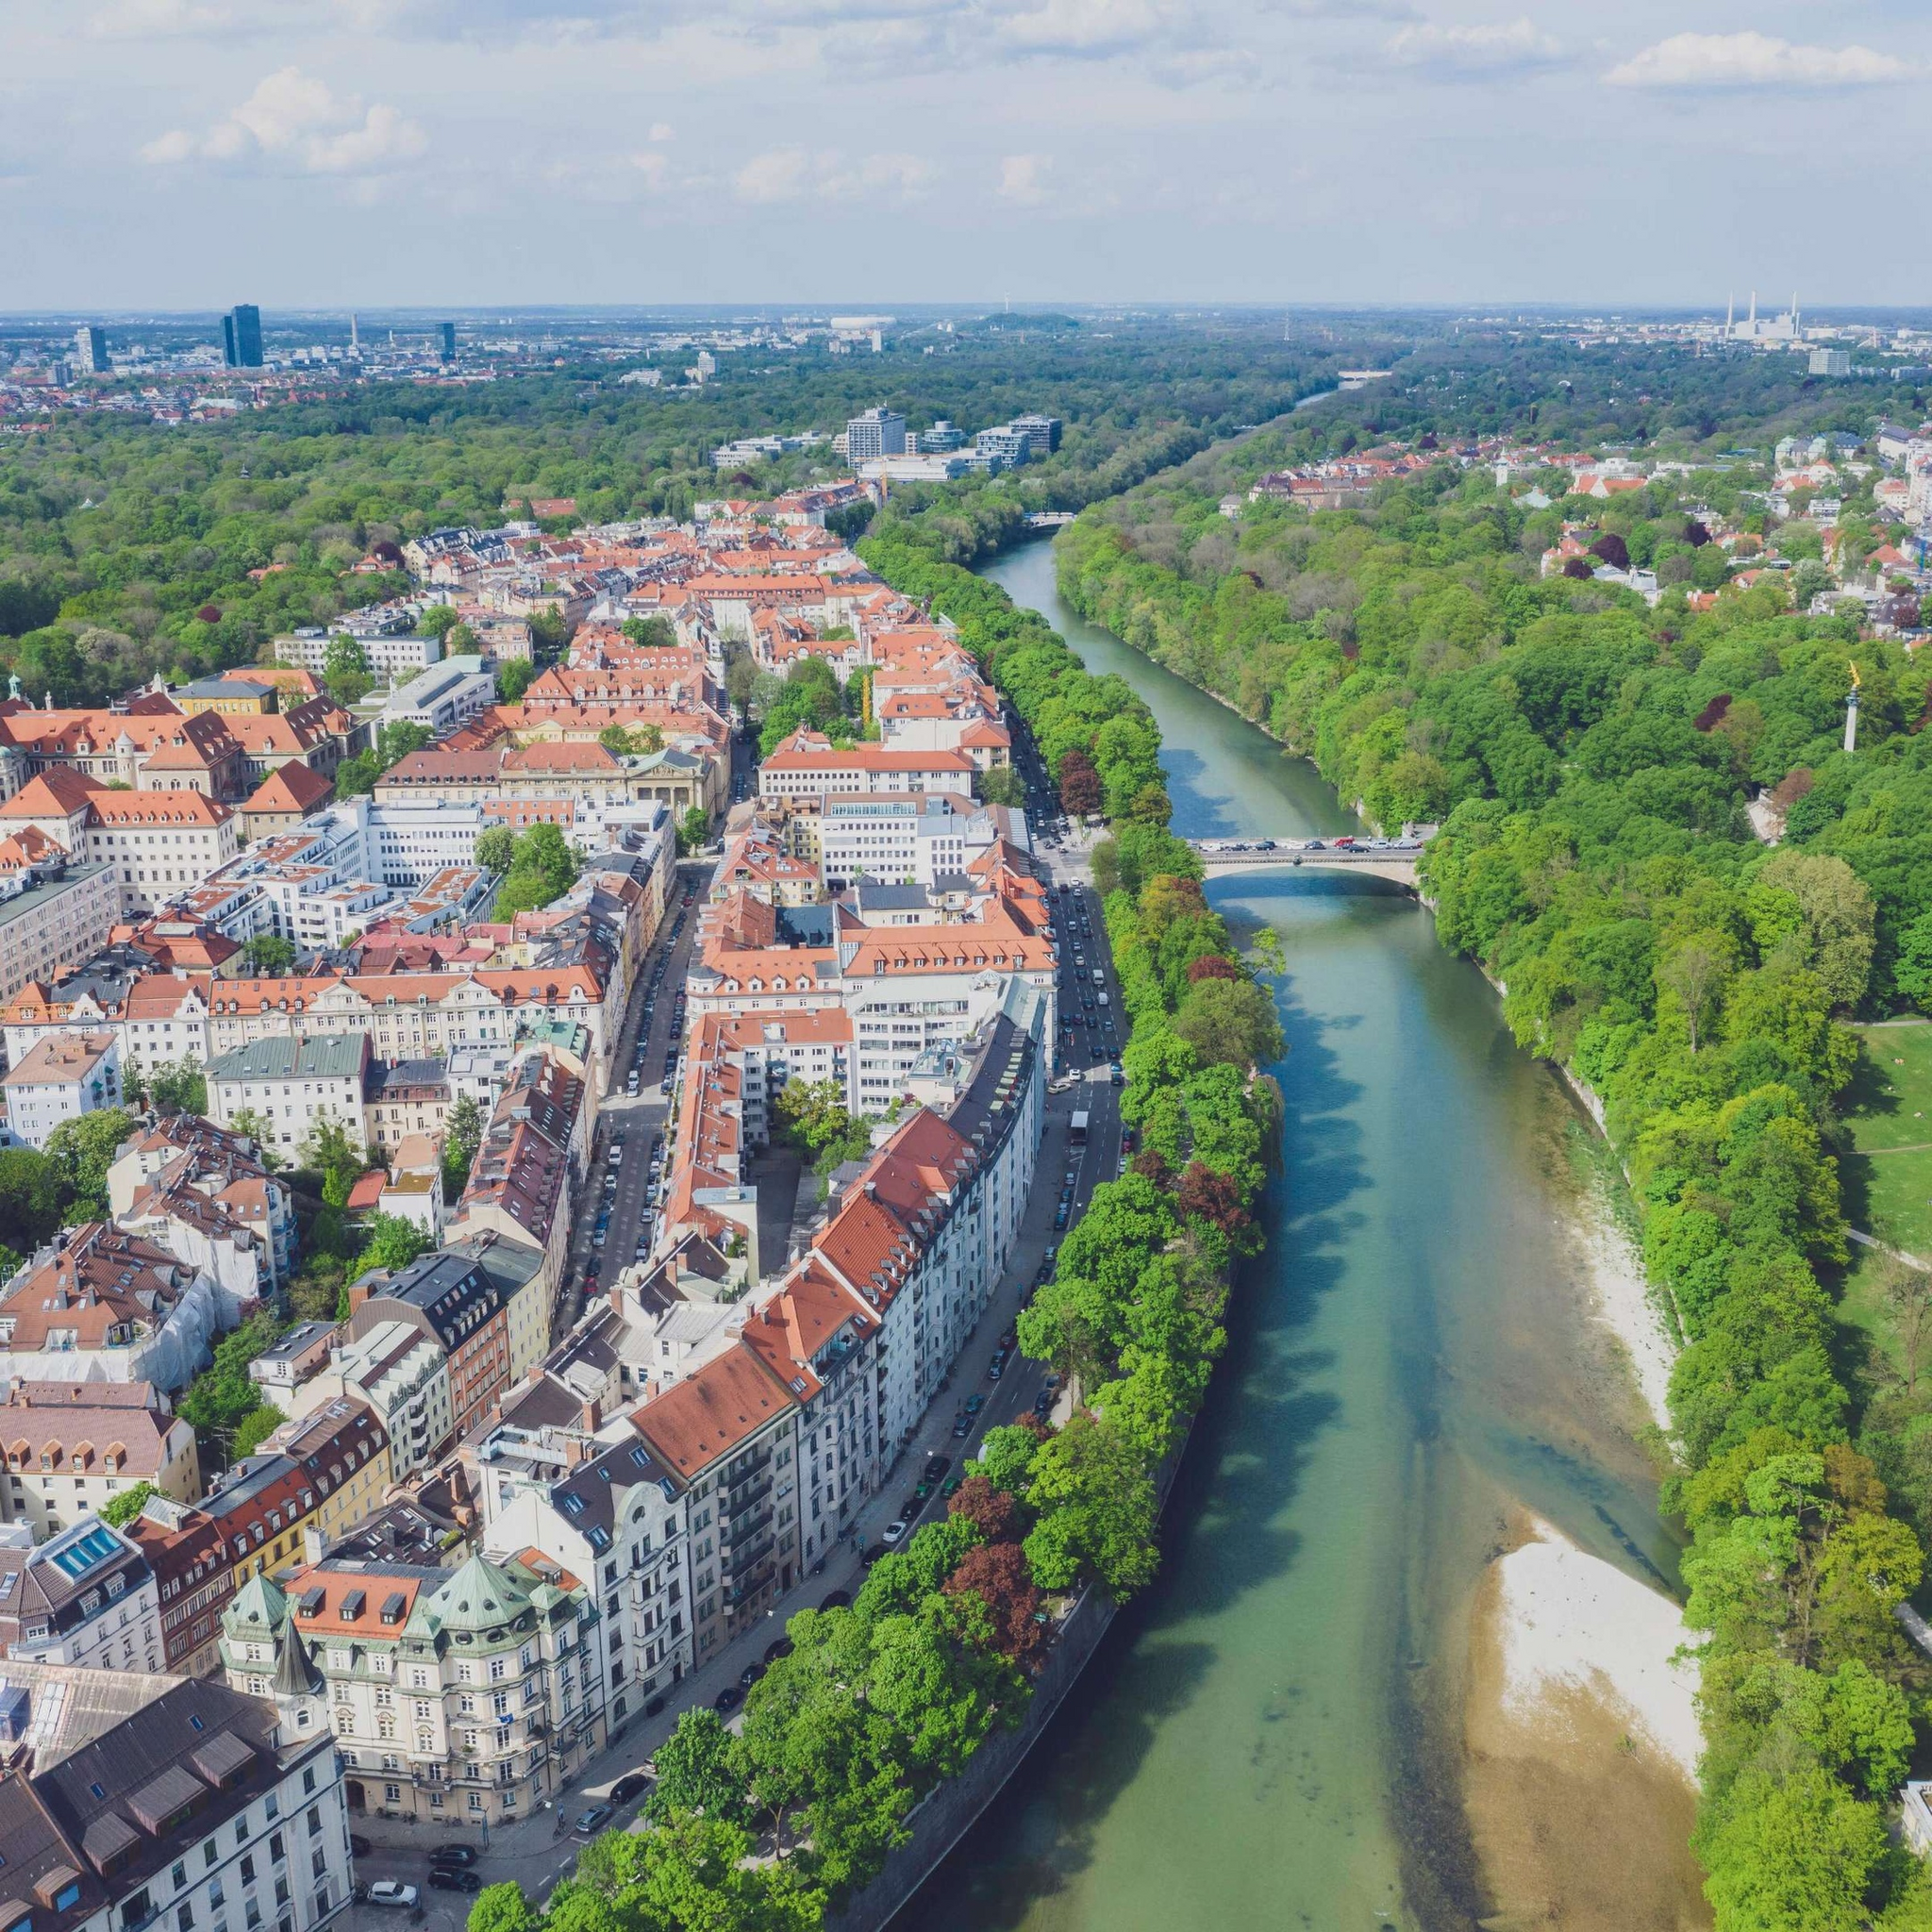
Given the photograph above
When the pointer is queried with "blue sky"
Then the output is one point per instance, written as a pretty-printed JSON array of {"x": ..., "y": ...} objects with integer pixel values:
[{"x": 189, "y": 153}]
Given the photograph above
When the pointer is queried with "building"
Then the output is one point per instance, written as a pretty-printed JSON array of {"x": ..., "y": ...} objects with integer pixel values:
[
  {"x": 158, "y": 845},
  {"x": 66, "y": 1075},
  {"x": 193, "y": 1579},
  {"x": 91, "y": 350},
  {"x": 404, "y": 1100},
  {"x": 465, "y": 1696},
  {"x": 54, "y": 916},
  {"x": 85, "y": 1596},
  {"x": 469, "y": 1312},
  {"x": 446, "y": 342},
  {"x": 291, "y": 1085},
  {"x": 393, "y": 657},
  {"x": 400, "y": 1373},
  {"x": 149, "y": 747},
  {"x": 1830, "y": 363},
  {"x": 447, "y": 695},
  {"x": 154, "y": 1799},
  {"x": 97, "y": 1304},
  {"x": 905, "y": 839},
  {"x": 71, "y": 1447},
  {"x": 876, "y": 433},
  {"x": 242, "y": 337},
  {"x": 280, "y": 804},
  {"x": 807, "y": 768}
]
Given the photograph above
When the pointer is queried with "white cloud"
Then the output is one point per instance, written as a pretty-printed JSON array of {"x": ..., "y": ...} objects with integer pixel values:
[
  {"x": 1756, "y": 60},
  {"x": 1472, "y": 52},
  {"x": 296, "y": 118},
  {"x": 1021, "y": 177},
  {"x": 662, "y": 130},
  {"x": 791, "y": 174}
]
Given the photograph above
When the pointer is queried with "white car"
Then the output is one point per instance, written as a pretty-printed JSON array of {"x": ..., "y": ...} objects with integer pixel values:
[
  {"x": 892, "y": 1533},
  {"x": 391, "y": 1891}
]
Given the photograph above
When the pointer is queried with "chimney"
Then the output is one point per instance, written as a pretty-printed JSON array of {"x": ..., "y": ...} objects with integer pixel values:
[
  {"x": 314, "y": 1544},
  {"x": 593, "y": 1415}
]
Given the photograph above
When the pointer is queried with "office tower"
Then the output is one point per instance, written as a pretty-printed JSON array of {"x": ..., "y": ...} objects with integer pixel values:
[
  {"x": 878, "y": 433},
  {"x": 241, "y": 336},
  {"x": 90, "y": 349},
  {"x": 448, "y": 332}
]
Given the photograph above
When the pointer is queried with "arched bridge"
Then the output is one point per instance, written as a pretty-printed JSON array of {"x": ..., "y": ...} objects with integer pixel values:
[
  {"x": 1048, "y": 518},
  {"x": 1394, "y": 861}
]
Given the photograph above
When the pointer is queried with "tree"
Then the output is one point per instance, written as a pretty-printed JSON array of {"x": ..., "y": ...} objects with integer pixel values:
[
  {"x": 86, "y": 1147},
  {"x": 355, "y": 776},
  {"x": 1006, "y": 1457},
  {"x": 1840, "y": 917},
  {"x": 1694, "y": 973},
  {"x": 1079, "y": 784},
  {"x": 268, "y": 955},
  {"x": 178, "y": 1087},
  {"x": 463, "y": 1134},
  {"x": 514, "y": 676},
  {"x": 254, "y": 1430},
  {"x": 998, "y": 1576},
  {"x": 345, "y": 670},
  {"x": 504, "y": 1908},
  {"x": 393, "y": 1242},
  {"x": 1096, "y": 1511},
  {"x": 496, "y": 849},
  {"x": 1911, "y": 972},
  {"x": 653, "y": 633},
  {"x": 340, "y": 1161},
  {"x": 1792, "y": 1854},
  {"x": 437, "y": 620},
  {"x": 222, "y": 1396},
  {"x": 1908, "y": 1293},
  {"x": 1232, "y": 1021},
  {"x": 34, "y": 1193},
  {"x": 693, "y": 829},
  {"x": 992, "y": 1512},
  {"x": 1002, "y": 785},
  {"x": 120, "y": 1510},
  {"x": 1215, "y": 1198},
  {"x": 395, "y": 742},
  {"x": 250, "y": 1126},
  {"x": 696, "y": 1772}
]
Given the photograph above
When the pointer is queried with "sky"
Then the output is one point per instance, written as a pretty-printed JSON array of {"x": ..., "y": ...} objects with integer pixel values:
[{"x": 188, "y": 153}]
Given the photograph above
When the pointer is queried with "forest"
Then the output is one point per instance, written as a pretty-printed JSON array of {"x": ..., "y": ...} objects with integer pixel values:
[{"x": 1594, "y": 765}]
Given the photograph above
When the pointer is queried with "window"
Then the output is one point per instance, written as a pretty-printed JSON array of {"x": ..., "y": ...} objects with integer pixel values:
[
  {"x": 248, "y": 1869},
  {"x": 179, "y": 1874},
  {"x": 309, "y": 1779},
  {"x": 184, "y": 1916},
  {"x": 277, "y": 1850}
]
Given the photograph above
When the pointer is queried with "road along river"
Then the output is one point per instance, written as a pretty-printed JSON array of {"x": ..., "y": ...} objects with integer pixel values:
[{"x": 1280, "y": 1735}]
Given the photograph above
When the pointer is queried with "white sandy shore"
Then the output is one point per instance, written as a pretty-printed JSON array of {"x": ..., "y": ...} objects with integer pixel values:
[
  {"x": 1570, "y": 1619},
  {"x": 1625, "y": 1307}
]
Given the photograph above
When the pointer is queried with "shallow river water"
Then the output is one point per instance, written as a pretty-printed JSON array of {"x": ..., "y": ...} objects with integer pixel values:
[{"x": 1271, "y": 1738}]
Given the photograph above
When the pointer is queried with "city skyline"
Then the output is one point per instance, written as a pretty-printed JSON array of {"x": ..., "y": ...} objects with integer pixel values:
[{"x": 1185, "y": 151}]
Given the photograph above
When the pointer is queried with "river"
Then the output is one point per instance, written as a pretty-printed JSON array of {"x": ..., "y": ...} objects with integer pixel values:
[{"x": 1273, "y": 1737}]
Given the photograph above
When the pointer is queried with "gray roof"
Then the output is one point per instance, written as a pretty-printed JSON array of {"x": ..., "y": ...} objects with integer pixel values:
[{"x": 321, "y": 1057}]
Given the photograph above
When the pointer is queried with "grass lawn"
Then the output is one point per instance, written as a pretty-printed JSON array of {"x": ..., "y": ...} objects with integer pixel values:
[{"x": 1888, "y": 1112}]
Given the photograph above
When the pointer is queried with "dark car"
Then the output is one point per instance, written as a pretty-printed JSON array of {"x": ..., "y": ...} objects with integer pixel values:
[
  {"x": 962, "y": 1425},
  {"x": 775, "y": 1651},
  {"x": 633, "y": 1784},
  {"x": 453, "y": 1878},
  {"x": 974, "y": 1403},
  {"x": 936, "y": 1466},
  {"x": 749, "y": 1676},
  {"x": 359, "y": 1847},
  {"x": 651, "y": 1709},
  {"x": 835, "y": 1600},
  {"x": 952, "y": 1487},
  {"x": 728, "y": 1699},
  {"x": 867, "y": 1557},
  {"x": 454, "y": 1855}
]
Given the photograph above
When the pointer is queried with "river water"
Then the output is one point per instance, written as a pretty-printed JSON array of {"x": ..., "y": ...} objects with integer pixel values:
[{"x": 1271, "y": 1738}]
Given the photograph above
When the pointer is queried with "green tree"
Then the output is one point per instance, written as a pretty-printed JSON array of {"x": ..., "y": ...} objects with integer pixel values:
[
  {"x": 697, "y": 1771},
  {"x": 250, "y": 1126},
  {"x": 437, "y": 620},
  {"x": 178, "y": 1087},
  {"x": 693, "y": 829},
  {"x": 1096, "y": 1510},
  {"x": 222, "y": 1397},
  {"x": 340, "y": 1161},
  {"x": 120, "y": 1510},
  {"x": 496, "y": 849},
  {"x": 1695, "y": 974},
  {"x": 514, "y": 676},
  {"x": 254, "y": 1430},
  {"x": 1839, "y": 915},
  {"x": 1912, "y": 971},
  {"x": 463, "y": 1134},
  {"x": 345, "y": 670},
  {"x": 504, "y": 1908},
  {"x": 1230, "y": 1020},
  {"x": 1002, "y": 785},
  {"x": 653, "y": 633},
  {"x": 393, "y": 1242},
  {"x": 268, "y": 955},
  {"x": 86, "y": 1148}
]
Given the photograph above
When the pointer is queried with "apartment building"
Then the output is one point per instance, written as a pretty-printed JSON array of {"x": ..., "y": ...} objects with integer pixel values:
[
  {"x": 151, "y": 747},
  {"x": 194, "y": 1581},
  {"x": 895, "y": 838},
  {"x": 158, "y": 843},
  {"x": 72, "y": 1447},
  {"x": 402, "y": 1375},
  {"x": 148, "y": 1799},
  {"x": 85, "y": 1596},
  {"x": 64, "y": 1076},
  {"x": 453, "y": 1697},
  {"x": 291, "y": 1085},
  {"x": 806, "y": 769},
  {"x": 54, "y": 916}
]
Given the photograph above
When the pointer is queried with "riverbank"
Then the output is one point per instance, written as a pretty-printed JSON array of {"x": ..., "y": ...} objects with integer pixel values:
[{"x": 1582, "y": 1743}]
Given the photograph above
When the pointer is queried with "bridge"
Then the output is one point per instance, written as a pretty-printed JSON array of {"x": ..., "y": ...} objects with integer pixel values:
[
  {"x": 1219, "y": 856},
  {"x": 1048, "y": 518}
]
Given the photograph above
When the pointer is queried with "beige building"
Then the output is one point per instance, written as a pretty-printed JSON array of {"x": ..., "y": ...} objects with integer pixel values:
[
  {"x": 72, "y": 1447},
  {"x": 53, "y": 917},
  {"x": 462, "y": 1696},
  {"x": 66, "y": 1075}
]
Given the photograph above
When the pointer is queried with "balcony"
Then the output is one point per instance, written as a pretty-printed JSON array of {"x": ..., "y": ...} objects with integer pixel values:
[
  {"x": 739, "y": 1561},
  {"x": 752, "y": 1584}
]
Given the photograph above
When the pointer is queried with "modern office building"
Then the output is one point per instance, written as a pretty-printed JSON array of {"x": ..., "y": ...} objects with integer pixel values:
[
  {"x": 446, "y": 334},
  {"x": 241, "y": 336},
  {"x": 878, "y": 433},
  {"x": 90, "y": 349}
]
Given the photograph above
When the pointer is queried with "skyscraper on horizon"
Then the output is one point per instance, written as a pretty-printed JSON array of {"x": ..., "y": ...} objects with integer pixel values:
[
  {"x": 241, "y": 336},
  {"x": 90, "y": 349},
  {"x": 447, "y": 335}
]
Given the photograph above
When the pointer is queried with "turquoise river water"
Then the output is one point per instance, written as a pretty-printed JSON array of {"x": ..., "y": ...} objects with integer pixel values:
[{"x": 1271, "y": 1738}]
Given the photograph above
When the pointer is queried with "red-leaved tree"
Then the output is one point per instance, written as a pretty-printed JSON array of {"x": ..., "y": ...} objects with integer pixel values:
[
  {"x": 1211, "y": 966},
  {"x": 992, "y": 1511},
  {"x": 1079, "y": 783},
  {"x": 1000, "y": 1577},
  {"x": 1216, "y": 1198}
]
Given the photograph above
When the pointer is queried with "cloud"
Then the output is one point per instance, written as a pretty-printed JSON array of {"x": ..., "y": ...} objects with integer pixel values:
[
  {"x": 793, "y": 174},
  {"x": 1706, "y": 61},
  {"x": 1021, "y": 178},
  {"x": 662, "y": 130},
  {"x": 1472, "y": 52},
  {"x": 297, "y": 119}
]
